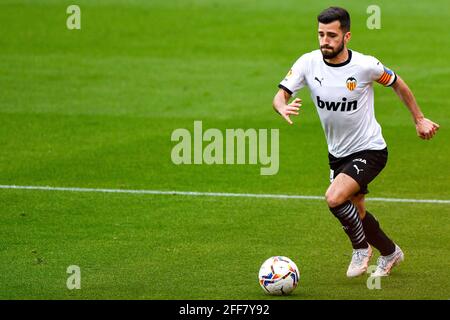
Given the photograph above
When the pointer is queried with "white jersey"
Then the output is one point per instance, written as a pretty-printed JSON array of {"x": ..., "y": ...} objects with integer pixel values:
[{"x": 344, "y": 98}]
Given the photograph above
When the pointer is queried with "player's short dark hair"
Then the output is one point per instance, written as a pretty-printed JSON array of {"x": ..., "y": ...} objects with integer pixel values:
[{"x": 335, "y": 13}]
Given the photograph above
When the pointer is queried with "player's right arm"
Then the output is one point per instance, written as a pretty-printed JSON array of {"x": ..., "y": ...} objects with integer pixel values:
[
  {"x": 294, "y": 81},
  {"x": 280, "y": 104}
]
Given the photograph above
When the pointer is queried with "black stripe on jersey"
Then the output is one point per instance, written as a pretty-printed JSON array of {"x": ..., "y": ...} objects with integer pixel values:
[
  {"x": 285, "y": 89},
  {"x": 342, "y": 63},
  {"x": 395, "y": 79}
]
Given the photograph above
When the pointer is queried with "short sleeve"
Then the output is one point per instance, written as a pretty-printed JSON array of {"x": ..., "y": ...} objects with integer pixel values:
[
  {"x": 295, "y": 78},
  {"x": 380, "y": 73}
]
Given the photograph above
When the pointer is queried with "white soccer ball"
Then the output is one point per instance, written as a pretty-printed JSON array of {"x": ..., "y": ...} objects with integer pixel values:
[{"x": 279, "y": 275}]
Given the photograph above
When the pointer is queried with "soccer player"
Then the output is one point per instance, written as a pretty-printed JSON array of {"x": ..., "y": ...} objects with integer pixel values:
[{"x": 341, "y": 85}]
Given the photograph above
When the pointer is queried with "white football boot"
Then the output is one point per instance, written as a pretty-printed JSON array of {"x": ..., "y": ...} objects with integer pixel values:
[
  {"x": 360, "y": 262},
  {"x": 386, "y": 263}
]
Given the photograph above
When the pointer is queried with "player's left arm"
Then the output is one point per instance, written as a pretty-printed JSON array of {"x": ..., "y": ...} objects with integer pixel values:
[{"x": 425, "y": 128}]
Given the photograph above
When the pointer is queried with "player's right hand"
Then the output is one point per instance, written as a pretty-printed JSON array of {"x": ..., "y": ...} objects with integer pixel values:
[{"x": 290, "y": 109}]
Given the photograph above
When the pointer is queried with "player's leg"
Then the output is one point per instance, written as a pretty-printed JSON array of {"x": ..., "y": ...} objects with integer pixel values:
[
  {"x": 391, "y": 254},
  {"x": 374, "y": 235},
  {"x": 341, "y": 190},
  {"x": 338, "y": 198},
  {"x": 359, "y": 201}
]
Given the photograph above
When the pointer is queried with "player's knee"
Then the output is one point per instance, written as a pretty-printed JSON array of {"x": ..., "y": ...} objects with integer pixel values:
[{"x": 334, "y": 199}]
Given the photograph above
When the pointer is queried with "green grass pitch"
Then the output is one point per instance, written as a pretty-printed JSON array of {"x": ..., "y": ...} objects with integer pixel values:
[{"x": 95, "y": 108}]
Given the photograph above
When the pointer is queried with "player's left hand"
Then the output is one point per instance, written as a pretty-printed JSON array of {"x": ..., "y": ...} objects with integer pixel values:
[{"x": 426, "y": 128}]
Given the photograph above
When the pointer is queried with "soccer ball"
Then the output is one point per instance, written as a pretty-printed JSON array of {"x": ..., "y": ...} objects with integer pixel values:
[{"x": 279, "y": 276}]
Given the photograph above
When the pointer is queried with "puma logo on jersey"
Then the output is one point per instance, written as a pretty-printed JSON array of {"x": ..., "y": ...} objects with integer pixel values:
[
  {"x": 361, "y": 160},
  {"x": 357, "y": 169},
  {"x": 337, "y": 106},
  {"x": 319, "y": 81}
]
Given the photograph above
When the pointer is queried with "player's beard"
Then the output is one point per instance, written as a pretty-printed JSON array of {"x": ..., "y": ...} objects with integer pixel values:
[{"x": 333, "y": 53}]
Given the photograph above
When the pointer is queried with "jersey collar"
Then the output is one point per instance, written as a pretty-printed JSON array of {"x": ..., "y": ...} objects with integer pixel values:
[{"x": 342, "y": 63}]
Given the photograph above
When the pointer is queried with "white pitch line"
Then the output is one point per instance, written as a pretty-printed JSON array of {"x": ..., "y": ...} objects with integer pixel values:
[{"x": 211, "y": 194}]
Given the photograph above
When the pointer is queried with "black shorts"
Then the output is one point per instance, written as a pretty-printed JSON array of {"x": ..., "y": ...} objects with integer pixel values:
[{"x": 363, "y": 166}]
